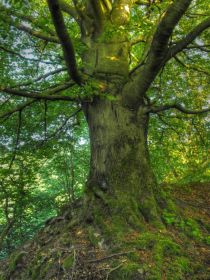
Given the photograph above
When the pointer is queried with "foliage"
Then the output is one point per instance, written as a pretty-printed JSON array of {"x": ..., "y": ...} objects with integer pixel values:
[{"x": 45, "y": 146}]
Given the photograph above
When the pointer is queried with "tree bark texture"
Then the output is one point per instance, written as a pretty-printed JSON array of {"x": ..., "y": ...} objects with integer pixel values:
[{"x": 120, "y": 180}]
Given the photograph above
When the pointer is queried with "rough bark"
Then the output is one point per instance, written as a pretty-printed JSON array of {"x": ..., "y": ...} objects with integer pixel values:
[
  {"x": 121, "y": 184},
  {"x": 120, "y": 180}
]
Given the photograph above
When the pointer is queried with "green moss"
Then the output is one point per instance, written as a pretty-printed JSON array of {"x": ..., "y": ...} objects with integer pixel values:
[
  {"x": 45, "y": 269},
  {"x": 126, "y": 271},
  {"x": 158, "y": 242},
  {"x": 35, "y": 272},
  {"x": 65, "y": 239},
  {"x": 15, "y": 259},
  {"x": 206, "y": 240},
  {"x": 161, "y": 247},
  {"x": 179, "y": 268},
  {"x": 68, "y": 262},
  {"x": 37, "y": 264},
  {"x": 124, "y": 218},
  {"x": 93, "y": 236},
  {"x": 2, "y": 277},
  {"x": 192, "y": 229}
]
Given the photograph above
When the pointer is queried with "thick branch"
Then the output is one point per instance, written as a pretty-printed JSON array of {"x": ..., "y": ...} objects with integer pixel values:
[
  {"x": 142, "y": 3},
  {"x": 188, "y": 39},
  {"x": 42, "y": 96},
  {"x": 158, "y": 50},
  {"x": 45, "y": 95},
  {"x": 177, "y": 107},
  {"x": 65, "y": 7},
  {"x": 97, "y": 14},
  {"x": 22, "y": 106},
  {"x": 165, "y": 29},
  {"x": 67, "y": 46}
]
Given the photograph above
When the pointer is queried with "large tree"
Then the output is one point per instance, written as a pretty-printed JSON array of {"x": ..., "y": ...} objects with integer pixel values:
[{"x": 102, "y": 57}]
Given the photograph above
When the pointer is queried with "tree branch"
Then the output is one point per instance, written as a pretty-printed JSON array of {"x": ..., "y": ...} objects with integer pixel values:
[
  {"x": 199, "y": 47},
  {"x": 42, "y": 96},
  {"x": 189, "y": 38},
  {"x": 145, "y": 75},
  {"x": 22, "y": 106},
  {"x": 178, "y": 107},
  {"x": 28, "y": 18},
  {"x": 17, "y": 139},
  {"x": 45, "y": 95},
  {"x": 65, "y": 7},
  {"x": 191, "y": 67},
  {"x": 17, "y": 109},
  {"x": 60, "y": 128},
  {"x": 141, "y": 3},
  {"x": 29, "y": 30},
  {"x": 41, "y": 77},
  {"x": 164, "y": 30},
  {"x": 97, "y": 14},
  {"x": 23, "y": 57},
  {"x": 66, "y": 43}
]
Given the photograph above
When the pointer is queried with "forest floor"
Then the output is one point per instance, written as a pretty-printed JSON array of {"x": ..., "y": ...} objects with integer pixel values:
[{"x": 178, "y": 251}]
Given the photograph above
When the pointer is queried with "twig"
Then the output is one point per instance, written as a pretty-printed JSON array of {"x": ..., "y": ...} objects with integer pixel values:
[
  {"x": 74, "y": 265},
  {"x": 113, "y": 269},
  {"x": 45, "y": 119},
  {"x": 109, "y": 257},
  {"x": 17, "y": 139}
]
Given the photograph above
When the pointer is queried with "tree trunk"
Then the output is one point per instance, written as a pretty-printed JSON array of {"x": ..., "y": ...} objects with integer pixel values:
[{"x": 121, "y": 184}]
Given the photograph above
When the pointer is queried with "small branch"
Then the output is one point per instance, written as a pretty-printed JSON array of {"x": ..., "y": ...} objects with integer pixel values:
[
  {"x": 29, "y": 30},
  {"x": 137, "y": 41},
  {"x": 60, "y": 128},
  {"x": 177, "y": 107},
  {"x": 191, "y": 67},
  {"x": 66, "y": 43},
  {"x": 23, "y": 57},
  {"x": 5, "y": 101},
  {"x": 45, "y": 118},
  {"x": 17, "y": 138},
  {"x": 188, "y": 39},
  {"x": 5, "y": 232},
  {"x": 41, "y": 77},
  {"x": 198, "y": 47},
  {"x": 113, "y": 269},
  {"x": 109, "y": 257},
  {"x": 28, "y": 18},
  {"x": 17, "y": 109},
  {"x": 167, "y": 124}
]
